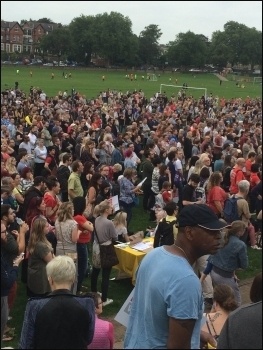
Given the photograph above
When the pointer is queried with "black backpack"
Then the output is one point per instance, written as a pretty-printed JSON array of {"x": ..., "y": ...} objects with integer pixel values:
[{"x": 164, "y": 234}]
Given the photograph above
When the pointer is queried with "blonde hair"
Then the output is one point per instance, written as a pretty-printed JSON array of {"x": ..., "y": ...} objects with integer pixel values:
[
  {"x": 100, "y": 208},
  {"x": 38, "y": 234},
  {"x": 117, "y": 167},
  {"x": 65, "y": 211},
  {"x": 120, "y": 219},
  {"x": 9, "y": 166},
  {"x": 198, "y": 167},
  {"x": 61, "y": 269}
]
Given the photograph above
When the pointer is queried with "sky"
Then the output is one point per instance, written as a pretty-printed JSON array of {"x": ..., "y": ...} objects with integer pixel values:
[{"x": 172, "y": 17}]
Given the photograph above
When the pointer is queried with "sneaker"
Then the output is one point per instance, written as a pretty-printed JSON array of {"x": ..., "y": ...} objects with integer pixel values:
[
  {"x": 100, "y": 294},
  {"x": 256, "y": 247},
  {"x": 107, "y": 302}
]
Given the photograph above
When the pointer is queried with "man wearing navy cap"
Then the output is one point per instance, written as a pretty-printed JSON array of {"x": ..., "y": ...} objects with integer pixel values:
[{"x": 167, "y": 306}]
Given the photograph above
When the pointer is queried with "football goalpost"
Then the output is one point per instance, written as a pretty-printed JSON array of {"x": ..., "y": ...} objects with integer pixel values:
[
  {"x": 186, "y": 88},
  {"x": 257, "y": 80}
]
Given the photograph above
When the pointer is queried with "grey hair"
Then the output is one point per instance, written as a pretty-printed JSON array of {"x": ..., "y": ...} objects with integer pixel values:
[
  {"x": 243, "y": 186},
  {"x": 61, "y": 269}
]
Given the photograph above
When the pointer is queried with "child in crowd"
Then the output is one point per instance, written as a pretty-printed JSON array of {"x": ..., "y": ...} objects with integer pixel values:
[
  {"x": 120, "y": 223},
  {"x": 104, "y": 332},
  {"x": 164, "y": 197}
]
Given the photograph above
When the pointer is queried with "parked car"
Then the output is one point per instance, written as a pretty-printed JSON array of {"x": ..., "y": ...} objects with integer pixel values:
[
  {"x": 7, "y": 62},
  {"x": 48, "y": 64},
  {"x": 195, "y": 70}
]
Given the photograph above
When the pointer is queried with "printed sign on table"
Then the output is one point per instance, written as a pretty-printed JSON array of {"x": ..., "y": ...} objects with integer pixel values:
[{"x": 123, "y": 315}]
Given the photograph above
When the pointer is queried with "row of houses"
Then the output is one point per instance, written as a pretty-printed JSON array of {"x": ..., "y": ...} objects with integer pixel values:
[{"x": 23, "y": 38}]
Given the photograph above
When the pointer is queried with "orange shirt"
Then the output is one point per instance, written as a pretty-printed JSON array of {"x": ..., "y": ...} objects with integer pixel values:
[{"x": 236, "y": 176}]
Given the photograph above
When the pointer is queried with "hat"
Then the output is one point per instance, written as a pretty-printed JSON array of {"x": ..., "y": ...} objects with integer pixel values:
[{"x": 200, "y": 215}]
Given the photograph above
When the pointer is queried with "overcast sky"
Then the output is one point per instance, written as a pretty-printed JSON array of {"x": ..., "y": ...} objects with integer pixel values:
[{"x": 172, "y": 17}]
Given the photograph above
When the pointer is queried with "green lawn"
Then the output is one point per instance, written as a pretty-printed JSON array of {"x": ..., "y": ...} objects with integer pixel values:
[
  {"x": 120, "y": 289},
  {"x": 89, "y": 82}
]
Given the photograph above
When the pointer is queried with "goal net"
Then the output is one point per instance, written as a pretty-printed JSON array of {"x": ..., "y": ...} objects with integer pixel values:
[
  {"x": 177, "y": 89},
  {"x": 257, "y": 80},
  {"x": 152, "y": 77}
]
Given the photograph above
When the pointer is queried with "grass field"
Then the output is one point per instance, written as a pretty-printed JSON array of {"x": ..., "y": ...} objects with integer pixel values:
[
  {"x": 120, "y": 289},
  {"x": 89, "y": 82}
]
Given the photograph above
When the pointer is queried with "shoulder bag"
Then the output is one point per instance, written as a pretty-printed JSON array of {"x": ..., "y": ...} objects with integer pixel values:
[
  {"x": 73, "y": 256},
  {"x": 108, "y": 256}
]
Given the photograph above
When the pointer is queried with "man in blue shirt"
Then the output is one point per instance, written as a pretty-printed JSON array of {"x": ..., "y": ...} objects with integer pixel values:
[{"x": 167, "y": 307}]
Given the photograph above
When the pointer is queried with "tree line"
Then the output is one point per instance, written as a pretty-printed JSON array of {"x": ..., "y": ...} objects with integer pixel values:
[{"x": 110, "y": 36}]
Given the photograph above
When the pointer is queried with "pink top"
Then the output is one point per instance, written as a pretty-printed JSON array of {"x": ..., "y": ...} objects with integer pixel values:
[{"x": 103, "y": 335}]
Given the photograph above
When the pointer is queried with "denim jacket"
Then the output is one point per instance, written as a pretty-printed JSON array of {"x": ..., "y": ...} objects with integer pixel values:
[{"x": 232, "y": 256}]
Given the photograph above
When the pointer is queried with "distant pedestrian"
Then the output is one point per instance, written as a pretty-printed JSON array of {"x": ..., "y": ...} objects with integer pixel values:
[
  {"x": 31, "y": 73},
  {"x": 220, "y": 82},
  {"x": 17, "y": 71},
  {"x": 103, "y": 78},
  {"x": 52, "y": 75}
]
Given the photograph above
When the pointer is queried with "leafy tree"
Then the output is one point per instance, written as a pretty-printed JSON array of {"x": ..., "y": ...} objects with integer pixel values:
[
  {"x": 149, "y": 51},
  {"x": 254, "y": 47},
  {"x": 187, "y": 50},
  {"x": 113, "y": 37},
  {"x": 219, "y": 54},
  {"x": 58, "y": 42},
  {"x": 83, "y": 39},
  {"x": 45, "y": 20}
]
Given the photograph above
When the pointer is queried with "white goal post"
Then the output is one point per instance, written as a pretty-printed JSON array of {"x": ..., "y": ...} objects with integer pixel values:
[
  {"x": 257, "y": 80},
  {"x": 183, "y": 87}
]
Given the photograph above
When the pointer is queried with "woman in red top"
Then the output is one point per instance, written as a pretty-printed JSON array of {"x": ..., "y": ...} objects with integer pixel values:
[
  {"x": 216, "y": 196},
  {"x": 86, "y": 229},
  {"x": 51, "y": 200}
]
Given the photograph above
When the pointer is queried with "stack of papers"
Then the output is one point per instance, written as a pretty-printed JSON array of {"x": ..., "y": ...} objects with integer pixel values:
[{"x": 142, "y": 246}]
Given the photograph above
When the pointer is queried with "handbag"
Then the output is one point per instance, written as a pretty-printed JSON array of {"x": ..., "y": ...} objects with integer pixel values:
[
  {"x": 73, "y": 255},
  {"x": 108, "y": 256}
]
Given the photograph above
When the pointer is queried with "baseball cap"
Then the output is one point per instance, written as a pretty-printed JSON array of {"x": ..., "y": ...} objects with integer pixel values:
[{"x": 200, "y": 215}]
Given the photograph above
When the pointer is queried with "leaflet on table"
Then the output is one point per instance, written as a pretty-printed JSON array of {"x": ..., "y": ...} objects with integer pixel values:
[
  {"x": 142, "y": 246},
  {"x": 141, "y": 183},
  {"x": 115, "y": 203}
]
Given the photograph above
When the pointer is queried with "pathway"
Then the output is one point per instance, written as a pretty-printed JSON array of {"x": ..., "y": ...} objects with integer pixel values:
[{"x": 220, "y": 77}]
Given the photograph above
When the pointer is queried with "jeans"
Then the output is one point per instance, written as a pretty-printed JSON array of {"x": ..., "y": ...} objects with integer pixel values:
[
  {"x": 4, "y": 315},
  {"x": 82, "y": 251},
  {"x": 230, "y": 281},
  {"x": 104, "y": 282},
  {"x": 128, "y": 209}
]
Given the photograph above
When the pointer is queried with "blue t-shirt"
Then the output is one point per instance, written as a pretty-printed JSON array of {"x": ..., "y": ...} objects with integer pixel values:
[{"x": 166, "y": 286}]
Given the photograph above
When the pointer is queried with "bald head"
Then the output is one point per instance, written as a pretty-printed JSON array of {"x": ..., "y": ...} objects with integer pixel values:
[{"x": 241, "y": 162}]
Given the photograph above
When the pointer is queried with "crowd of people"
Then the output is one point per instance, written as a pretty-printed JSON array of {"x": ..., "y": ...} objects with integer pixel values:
[{"x": 62, "y": 160}]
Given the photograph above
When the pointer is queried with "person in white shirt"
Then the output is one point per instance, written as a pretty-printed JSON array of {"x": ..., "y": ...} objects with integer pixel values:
[
  {"x": 33, "y": 137},
  {"x": 40, "y": 157}
]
